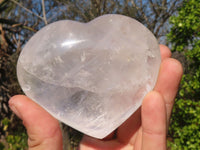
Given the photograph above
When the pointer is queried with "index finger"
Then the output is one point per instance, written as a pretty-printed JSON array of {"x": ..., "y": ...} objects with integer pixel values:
[{"x": 168, "y": 79}]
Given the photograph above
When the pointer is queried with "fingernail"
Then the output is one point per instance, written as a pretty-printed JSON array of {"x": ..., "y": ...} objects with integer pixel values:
[{"x": 14, "y": 109}]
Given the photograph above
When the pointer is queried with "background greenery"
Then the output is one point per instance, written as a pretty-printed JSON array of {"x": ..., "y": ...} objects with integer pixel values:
[
  {"x": 185, "y": 38},
  {"x": 174, "y": 22}
]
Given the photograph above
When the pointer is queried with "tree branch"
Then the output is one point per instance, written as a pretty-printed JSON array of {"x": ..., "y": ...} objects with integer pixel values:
[
  {"x": 3, "y": 41},
  {"x": 44, "y": 13},
  {"x": 154, "y": 8},
  {"x": 140, "y": 9},
  {"x": 20, "y": 5}
]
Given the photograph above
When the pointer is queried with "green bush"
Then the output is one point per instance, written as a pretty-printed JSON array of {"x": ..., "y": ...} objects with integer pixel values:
[
  {"x": 17, "y": 142},
  {"x": 13, "y": 141},
  {"x": 185, "y": 126},
  {"x": 184, "y": 131}
]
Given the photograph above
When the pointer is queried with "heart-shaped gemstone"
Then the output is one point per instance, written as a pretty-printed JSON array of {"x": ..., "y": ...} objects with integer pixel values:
[{"x": 91, "y": 76}]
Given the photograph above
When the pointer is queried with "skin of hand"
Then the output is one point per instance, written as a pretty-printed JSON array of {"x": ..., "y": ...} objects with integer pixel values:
[{"x": 146, "y": 129}]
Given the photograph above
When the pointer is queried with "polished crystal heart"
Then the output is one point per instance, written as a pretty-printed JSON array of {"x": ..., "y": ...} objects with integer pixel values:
[{"x": 91, "y": 76}]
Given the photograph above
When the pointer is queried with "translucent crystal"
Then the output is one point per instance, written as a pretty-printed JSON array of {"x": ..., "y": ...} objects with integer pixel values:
[{"x": 91, "y": 76}]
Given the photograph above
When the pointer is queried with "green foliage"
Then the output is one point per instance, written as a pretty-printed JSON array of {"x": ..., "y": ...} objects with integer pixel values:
[
  {"x": 5, "y": 122},
  {"x": 186, "y": 26},
  {"x": 185, "y": 125},
  {"x": 185, "y": 38},
  {"x": 17, "y": 142}
]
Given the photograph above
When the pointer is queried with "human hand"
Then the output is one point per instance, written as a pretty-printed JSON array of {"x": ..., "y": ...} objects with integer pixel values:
[{"x": 146, "y": 129}]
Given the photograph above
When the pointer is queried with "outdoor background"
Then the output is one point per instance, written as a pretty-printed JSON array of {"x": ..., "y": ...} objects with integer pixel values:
[{"x": 175, "y": 23}]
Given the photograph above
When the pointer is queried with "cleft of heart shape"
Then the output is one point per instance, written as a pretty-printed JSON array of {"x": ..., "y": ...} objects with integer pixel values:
[{"x": 91, "y": 76}]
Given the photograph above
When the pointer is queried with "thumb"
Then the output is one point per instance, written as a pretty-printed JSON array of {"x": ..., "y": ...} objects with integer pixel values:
[{"x": 43, "y": 130}]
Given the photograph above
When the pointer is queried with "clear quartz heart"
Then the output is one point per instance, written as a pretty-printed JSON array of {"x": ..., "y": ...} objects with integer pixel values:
[{"x": 91, "y": 76}]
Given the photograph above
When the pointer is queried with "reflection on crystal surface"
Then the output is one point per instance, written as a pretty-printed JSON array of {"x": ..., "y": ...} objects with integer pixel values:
[
  {"x": 91, "y": 76},
  {"x": 71, "y": 43}
]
